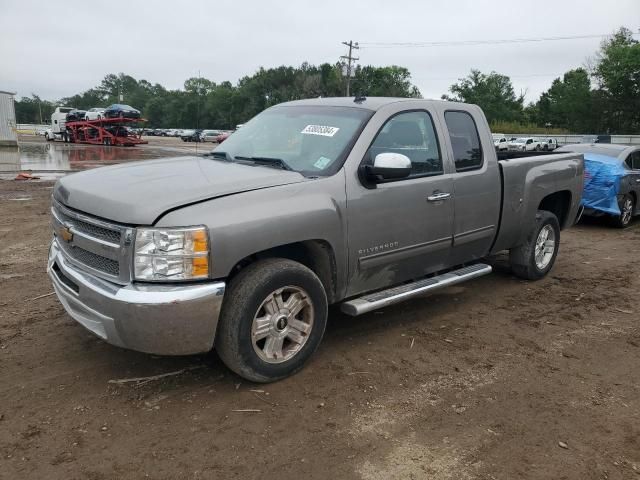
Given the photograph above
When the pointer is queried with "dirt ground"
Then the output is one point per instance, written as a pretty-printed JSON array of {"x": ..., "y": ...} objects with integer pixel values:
[{"x": 496, "y": 379}]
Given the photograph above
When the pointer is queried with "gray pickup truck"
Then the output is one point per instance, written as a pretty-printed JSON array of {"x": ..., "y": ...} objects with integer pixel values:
[{"x": 362, "y": 203}]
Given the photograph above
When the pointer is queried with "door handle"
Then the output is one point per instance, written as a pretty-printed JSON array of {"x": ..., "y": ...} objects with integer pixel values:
[{"x": 438, "y": 196}]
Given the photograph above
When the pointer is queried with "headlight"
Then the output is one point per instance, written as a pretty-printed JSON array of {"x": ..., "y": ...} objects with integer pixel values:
[{"x": 168, "y": 254}]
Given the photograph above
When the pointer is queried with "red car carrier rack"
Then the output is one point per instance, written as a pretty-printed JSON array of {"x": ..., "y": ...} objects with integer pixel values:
[{"x": 106, "y": 131}]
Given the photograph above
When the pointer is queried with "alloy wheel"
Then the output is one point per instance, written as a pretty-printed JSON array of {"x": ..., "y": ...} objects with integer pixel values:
[
  {"x": 545, "y": 247},
  {"x": 282, "y": 324}
]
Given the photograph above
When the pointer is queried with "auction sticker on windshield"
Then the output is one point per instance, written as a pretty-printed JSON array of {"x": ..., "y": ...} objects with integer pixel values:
[{"x": 322, "y": 130}]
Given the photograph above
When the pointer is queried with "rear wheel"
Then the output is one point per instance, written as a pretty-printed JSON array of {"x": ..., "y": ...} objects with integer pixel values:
[
  {"x": 272, "y": 320},
  {"x": 627, "y": 206},
  {"x": 534, "y": 259}
]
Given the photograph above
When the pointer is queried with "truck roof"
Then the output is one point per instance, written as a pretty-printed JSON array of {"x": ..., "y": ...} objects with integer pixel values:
[{"x": 368, "y": 103}]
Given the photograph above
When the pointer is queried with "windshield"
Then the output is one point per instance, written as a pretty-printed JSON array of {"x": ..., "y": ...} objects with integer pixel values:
[
  {"x": 520, "y": 140},
  {"x": 312, "y": 140}
]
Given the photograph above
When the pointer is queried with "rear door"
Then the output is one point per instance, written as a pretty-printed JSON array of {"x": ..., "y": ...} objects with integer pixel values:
[
  {"x": 402, "y": 229},
  {"x": 633, "y": 161},
  {"x": 477, "y": 189}
]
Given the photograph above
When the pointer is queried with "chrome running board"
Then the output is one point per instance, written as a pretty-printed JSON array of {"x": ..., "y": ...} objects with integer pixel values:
[{"x": 376, "y": 300}]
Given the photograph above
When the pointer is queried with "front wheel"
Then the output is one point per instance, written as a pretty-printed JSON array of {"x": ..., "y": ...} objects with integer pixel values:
[
  {"x": 535, "y": 257},
  {"x": 272, "y": 320},
  {"x": 627, "y": 206}
]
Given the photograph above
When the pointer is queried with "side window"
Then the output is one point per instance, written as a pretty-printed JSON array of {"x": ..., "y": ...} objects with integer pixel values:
[
  {"x": 465, "y": 141},
  {"x": 629, "y": 160},
  {"x": 411, "y": 134},
  {"x": 636, "y": 160}
]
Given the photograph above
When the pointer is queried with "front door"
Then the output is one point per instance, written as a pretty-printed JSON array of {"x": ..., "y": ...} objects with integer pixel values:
[{"x": 401, "y": 230}]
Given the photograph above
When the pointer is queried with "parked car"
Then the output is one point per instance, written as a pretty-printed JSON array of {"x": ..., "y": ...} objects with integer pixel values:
[
  {"x": 500, "y": 142},
  {"x": 209, "y": 135},
  {"x": 524, "y": 144},
  {"x": 95, "y": 113},
  {"x": 223, "y": 136},
  {"x": 311, "y": 203},
  {"x": 548, "y": 144},
  {"x": 76, "y": 115},
  {"x": 118, "y": 110},
  {"x": 612, "y": 180},
  {"x": 190, "y": 135}
]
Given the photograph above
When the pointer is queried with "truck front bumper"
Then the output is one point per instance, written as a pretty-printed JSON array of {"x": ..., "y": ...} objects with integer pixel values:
[{"x": 174, "y": 319}]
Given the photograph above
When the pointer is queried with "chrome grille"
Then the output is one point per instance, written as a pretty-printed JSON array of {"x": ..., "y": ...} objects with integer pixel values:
[
  {"x": 90, "y": 229},
  {"x": 93, "y": 244},
  {"x": 92, "y": 260}
]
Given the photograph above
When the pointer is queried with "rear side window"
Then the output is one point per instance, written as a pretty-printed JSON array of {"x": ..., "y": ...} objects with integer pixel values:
[
  {"x": 465, "y": 140},
  {"x": 411, "y": 134},
  {"x": 633, "y": 160}
]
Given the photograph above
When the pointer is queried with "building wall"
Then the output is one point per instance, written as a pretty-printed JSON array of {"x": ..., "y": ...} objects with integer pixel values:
[{"x": 8, "y": 135}]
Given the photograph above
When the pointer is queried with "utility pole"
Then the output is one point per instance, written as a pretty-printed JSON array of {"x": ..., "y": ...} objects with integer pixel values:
[{"x": 350, "y": 59}]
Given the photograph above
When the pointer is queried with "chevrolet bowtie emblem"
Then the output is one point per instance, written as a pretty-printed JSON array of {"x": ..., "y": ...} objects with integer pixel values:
[{"x": 65, "y": 233}]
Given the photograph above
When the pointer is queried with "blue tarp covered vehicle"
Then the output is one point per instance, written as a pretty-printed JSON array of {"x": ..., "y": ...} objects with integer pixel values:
[{"x": 602, "y": 179}]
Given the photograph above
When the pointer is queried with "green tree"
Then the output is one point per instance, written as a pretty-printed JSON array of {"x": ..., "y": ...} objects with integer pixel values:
[
  {"x": 568, "y": 103},
  {"x": 390, "y": 81},
  {"x": 492, "y": 92},
  {"x": 617, "y": 72},
  {"x": 33, "y": 110}
]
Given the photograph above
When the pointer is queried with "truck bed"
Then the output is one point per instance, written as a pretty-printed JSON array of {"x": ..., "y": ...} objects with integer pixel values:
[{"x": 528, "y": 181}]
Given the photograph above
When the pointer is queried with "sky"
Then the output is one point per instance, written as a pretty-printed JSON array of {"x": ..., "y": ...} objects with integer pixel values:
[{"x": 56, "y": 51}]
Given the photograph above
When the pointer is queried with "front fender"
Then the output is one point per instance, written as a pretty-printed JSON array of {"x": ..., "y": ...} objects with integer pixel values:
[{"x": 243, "y": 224}]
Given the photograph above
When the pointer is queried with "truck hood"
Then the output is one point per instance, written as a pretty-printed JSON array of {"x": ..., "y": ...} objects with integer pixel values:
[{"x": 138, "y": 193}]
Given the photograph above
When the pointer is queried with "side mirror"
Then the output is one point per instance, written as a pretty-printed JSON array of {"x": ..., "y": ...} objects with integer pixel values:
[{"x": 389, "y": 166}]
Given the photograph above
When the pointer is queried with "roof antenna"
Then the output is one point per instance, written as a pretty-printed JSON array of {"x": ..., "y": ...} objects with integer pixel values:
[{"x": 359, "y": 98}]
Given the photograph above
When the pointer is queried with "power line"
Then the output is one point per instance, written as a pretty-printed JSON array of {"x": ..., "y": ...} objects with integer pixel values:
[
  {"x": 350, "y": 59},
  {"x": 465, "y": 43}
]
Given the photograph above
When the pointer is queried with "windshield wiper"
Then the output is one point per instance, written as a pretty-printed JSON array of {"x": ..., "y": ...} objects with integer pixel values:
[
  {"x": 278, "y": 162},
  {"x": 220, "y": 155}
]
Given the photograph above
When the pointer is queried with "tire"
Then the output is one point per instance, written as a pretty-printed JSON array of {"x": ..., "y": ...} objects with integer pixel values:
[
  {"x": 627, "y": 207},
  {"x": 524, "y": 258},
  {"x": 537, "y": 148},
  {"x": 46, "y": 137},
  {"x": 247, "y": 300}
]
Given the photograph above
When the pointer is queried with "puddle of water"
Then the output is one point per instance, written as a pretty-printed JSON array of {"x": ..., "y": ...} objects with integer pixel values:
[{"x": 61, "y": 158}]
